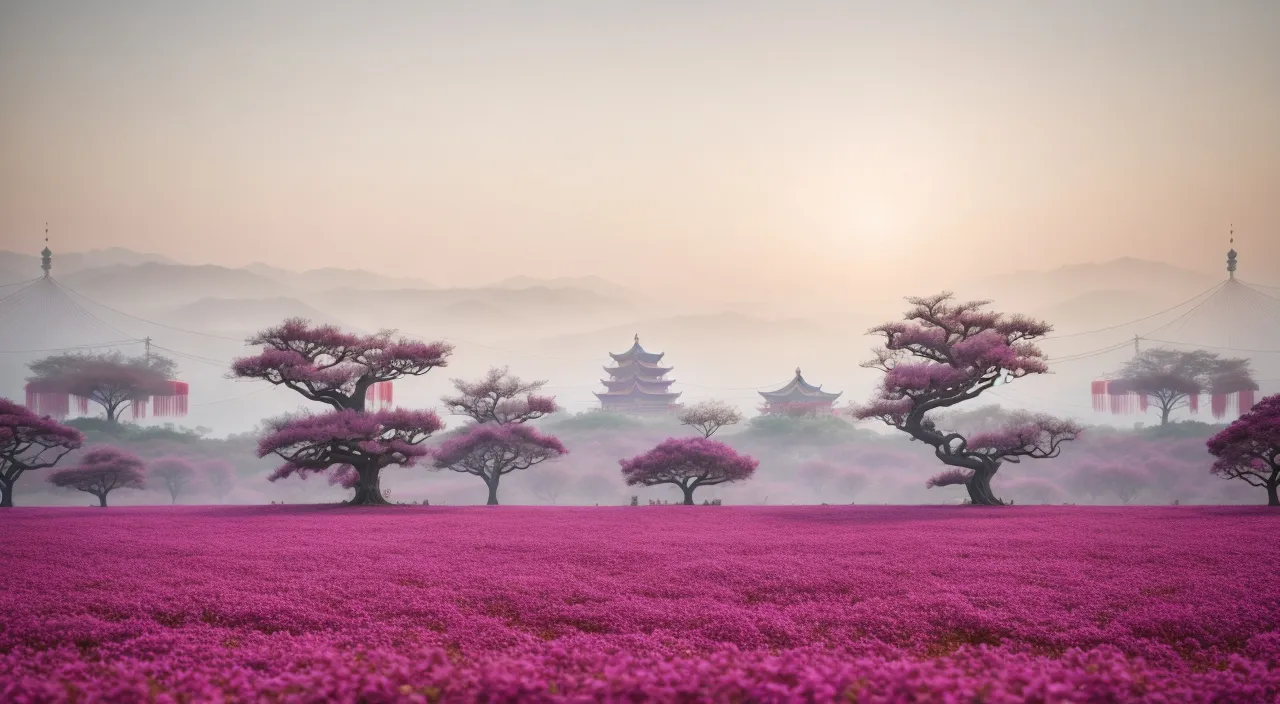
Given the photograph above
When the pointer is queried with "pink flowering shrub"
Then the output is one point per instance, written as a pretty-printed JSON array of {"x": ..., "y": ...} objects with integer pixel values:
[{"x": 863, "y": 604}]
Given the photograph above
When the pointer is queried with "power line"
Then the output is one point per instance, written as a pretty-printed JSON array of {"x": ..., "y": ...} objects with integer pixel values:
[
  {"x": 29, "y": 283},
  {"x": 73, "y": 348},
  {"x": 1139, "y": 320},
  {"x": 234, "y": 398},
  {"x": 150, "y": 322},
  {"x": 1209, "y": 347}
]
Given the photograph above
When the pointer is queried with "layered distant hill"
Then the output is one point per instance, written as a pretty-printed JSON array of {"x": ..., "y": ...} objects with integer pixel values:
[
  {"x": 1163, "y": 284},
  {"x": 28, "y": 265},
  {"x": 334, "y": 278}
]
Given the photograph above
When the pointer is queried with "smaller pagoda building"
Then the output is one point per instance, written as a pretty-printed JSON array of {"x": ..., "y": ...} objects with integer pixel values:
[
  {"x": 637, "y": 383},
  {"x": 799, "y": 397}
]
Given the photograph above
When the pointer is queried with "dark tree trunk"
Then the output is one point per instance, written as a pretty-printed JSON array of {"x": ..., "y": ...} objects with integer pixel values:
[
  {"x": 6, "y": 494},
  {"x": 1273, "y": 497},
  {"x": 688, "y": 495},
  {"x": 102, "y": 499},
  {"x": 368, "y": 489},
  {"x": 1164, "y": 415},
  {"x": 493, "y": 492},
  {"x": 979, "y": 486}
]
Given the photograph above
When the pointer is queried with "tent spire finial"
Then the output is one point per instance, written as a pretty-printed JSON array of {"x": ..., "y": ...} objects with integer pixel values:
[
  {"x": 1231, "y": 255},
  {"x": 46, "y": 256}
]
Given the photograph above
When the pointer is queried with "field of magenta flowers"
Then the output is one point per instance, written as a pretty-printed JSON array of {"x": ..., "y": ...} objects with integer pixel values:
[{"x": 323, "y": 603}]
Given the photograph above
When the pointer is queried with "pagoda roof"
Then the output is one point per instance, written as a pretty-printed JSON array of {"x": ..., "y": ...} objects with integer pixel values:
[
  {"x": 637, "y": 353},
  {"x": 651, "y": 384},
  {"x": 798, "y": 390},
  {"x": 636, "y": 392},
  {"x": 634, "y": 367}
]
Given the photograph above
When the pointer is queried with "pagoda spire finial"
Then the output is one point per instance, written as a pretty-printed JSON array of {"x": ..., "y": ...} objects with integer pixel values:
[
  {"x": 1231, "y": 254},
  {"x": 46, "y": 256},
  {"x": 637, "y": 338},
  {"x": 797, "y": 371}
]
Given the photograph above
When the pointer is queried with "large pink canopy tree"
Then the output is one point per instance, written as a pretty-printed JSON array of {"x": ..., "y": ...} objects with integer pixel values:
[
  {"x": 354, "y": 447},
  {"x": 337, "y": 368},
  {"x": 1249, "y": 449},
  {"x": 342, "y": 370},
  {"x": 1173, "y": 379},
  {"x": 29, "y": 441},
  {"x": 491, "y": 451},
  {"x": 945, "y": 353},
  {"x": 101, "y": 471},
  {"x": 688, "y": 463},
  {"x": 110, "y": 380}
]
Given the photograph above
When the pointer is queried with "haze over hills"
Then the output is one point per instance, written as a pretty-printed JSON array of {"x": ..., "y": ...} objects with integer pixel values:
[
  {"x": 29, "y": 264},
  {"x": 153, "y": 286},
  {"x": 241, "y": 316},
  {"x": 1027, "y": 290},
  {"x": 332, "y": 277},
  {"x": 595, "y": 284},
  {"x": 561, "y": 329}
]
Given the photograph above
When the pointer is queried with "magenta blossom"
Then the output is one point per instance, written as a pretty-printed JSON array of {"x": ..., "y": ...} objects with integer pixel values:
[
  {"x": 101, "y": 471},
  {"x": 325, "y": 364},
  {"x": 357, "y": 446},
  {"x": 946, "y": 353},
  {"x": 29, "y": 441},
  {"x": 1249, "y": 449},
  {"x": 490, "y": 451},
  {"x": 688, "y": 463}
]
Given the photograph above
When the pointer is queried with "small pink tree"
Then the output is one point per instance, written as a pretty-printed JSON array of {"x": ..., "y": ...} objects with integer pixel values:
[
  {"x": 333, "y": 367},
  {"x": 1249, "y": 449},
  {"x": 101, "y": 471},
  {"x": 491, "y": 450},
  {"x": 499, "y": 397},
  {"x": 688, "y": 463},
  {"x": 29, "y": 441},
  {"x": 175, "y": 474},
  {"x": 110, "y": 380},
  {"x": 945, "y": 353},
  {"x": 707, "y": 417},
  {"x": 220, "y": 476},
  {"x": 354, "y": 447}
]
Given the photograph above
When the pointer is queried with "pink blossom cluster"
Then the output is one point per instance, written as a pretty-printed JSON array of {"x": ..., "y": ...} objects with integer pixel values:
[{"x": 874, "y": 604}]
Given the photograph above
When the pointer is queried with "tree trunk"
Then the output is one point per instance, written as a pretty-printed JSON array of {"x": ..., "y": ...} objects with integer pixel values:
[
  {"x": 493, "y": 492},
  {"x": 368, "y": 489},
  {"x": 6, "y": 494},
  {"x": 688, "y": 495},
  {"x": 102, "y": 499},
  {"x": 1164, "y": 415},
  {"x": 979, "y": 486},
  {"x": 1273, "y": 497}
]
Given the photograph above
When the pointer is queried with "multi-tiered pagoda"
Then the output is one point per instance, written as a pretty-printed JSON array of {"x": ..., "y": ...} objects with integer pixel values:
[
  {"x": 798, "y": 397},
  {"x": 636, "y": 383}
]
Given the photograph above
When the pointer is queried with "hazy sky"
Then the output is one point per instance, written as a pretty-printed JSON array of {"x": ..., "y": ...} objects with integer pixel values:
[{"x": 753, "y": 147}]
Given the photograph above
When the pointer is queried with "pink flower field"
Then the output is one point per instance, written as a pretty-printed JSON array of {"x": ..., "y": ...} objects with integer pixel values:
[{"x": 954, "y": 604}]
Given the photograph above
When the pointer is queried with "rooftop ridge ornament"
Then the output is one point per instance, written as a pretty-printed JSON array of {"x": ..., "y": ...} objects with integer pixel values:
[
  {"x": 46, "y": 256},
  {"x": 1231, "y": 255}
]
